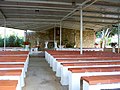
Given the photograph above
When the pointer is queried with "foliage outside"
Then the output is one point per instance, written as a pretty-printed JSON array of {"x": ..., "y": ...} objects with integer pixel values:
[
  {"x": 12, "y": 41},
  {"x": 106, "y": 36}
]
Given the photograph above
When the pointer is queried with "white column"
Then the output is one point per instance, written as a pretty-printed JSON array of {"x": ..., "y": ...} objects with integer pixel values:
[
  {"x": 81, "y": 31},
  {"x": 25, "y": 35},
  {"x": 4, "y": 34},
  {"x": 54, "y": 33},
  {"x": 75, "y": 38},
  {"x": 60, "y": 34},
  {"x": 118, "y": 37},
  {"x": 55, "y": 42}
]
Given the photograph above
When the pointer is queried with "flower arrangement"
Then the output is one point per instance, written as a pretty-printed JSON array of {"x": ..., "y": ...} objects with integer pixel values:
[{"x": 26, "y": 43}]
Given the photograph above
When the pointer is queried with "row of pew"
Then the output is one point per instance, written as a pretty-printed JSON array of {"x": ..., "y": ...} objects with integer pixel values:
[
  {"x": 93, "y": 70},
  {"x": 13, "y": 68}
]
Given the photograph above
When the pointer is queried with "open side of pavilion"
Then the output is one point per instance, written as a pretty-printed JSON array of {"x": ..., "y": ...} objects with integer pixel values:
[{"x": 50, "y": 19}]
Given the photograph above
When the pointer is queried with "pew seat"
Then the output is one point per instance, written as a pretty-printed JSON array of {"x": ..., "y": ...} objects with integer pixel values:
[
  {"x": 13, "y": 75},
  {"x": 9, "y": 85},
  {"x": 100, "y": 82},
  {"x": 75, "y": 74}
]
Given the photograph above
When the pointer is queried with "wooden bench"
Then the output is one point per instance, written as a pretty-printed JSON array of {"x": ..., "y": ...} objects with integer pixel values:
[
  {"x": 100, "y": 82},
  {"x": 48, "y": 53},
  {"x": 53, "y": 56},
  {"x": 65, "y": 73},
  {"x": 15, "y": 60},
  {"x": 50, "y": 56},
  {"x": 58, "y": 54},
  {"x": 13, "y": 67},
  {"x": 13, "y": 52},
  {"x": 77, "y": 52},
  {"x": 57, "y": 65},
  {"x": 53, "y": 59},
  {"x": 12, "y": 75},
  {"x": 75, "y": 74},
  {"x": 9, "y": 85}
]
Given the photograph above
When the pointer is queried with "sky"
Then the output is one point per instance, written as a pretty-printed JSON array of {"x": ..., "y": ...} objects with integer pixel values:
[{"x": 11, "y": 31}]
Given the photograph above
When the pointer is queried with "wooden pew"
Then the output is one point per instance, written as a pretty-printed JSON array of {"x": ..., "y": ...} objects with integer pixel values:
[
  {"x": 13, "y": 75},
  {"x": 66, "y": 54},
  {"x": 75, "y": 74},
  {"x": 15, "y": 60},
  {"x": 14, "y": 53},
  {"x": 13, "y": 67},
  {"x": 66, "y": 66},
  {"x": 58, "y": 62},
  {"x": 9, "y": 85},
  {"x": 108, "y": 82},
  {"x": 53, "y": 59},
  {"x": 55, "y": 52}
]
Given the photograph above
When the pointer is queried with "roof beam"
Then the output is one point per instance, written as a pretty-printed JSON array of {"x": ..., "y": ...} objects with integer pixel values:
[
  {"x": 57, "y": 13},
  {"x": 36, "y": 1},
  {"x": 32, "y": 4},
  {"x": 106, "y": 18},
  {"x": 101, "y": 12},
  {"x": 34, "y": 8},
  {"x": 107, "y": 3},
  {"x": 34, "y": 12},
  {"x": 33, "y": 20},
  {"x": 78, "y": 7},
  {"x": 12, "y": 15},
  {"x": 29, "y": 20},
  {"x": 94, "y": 22},
  {"x": 4, "y": 16},
  {"x": 91, "y": 22}
]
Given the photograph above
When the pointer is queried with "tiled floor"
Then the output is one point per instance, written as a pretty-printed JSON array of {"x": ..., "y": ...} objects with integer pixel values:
[{"x": 41, "y": 77}]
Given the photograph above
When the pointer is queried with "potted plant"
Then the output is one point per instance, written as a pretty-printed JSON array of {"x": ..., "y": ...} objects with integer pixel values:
[{"x": 26, "y": 44}]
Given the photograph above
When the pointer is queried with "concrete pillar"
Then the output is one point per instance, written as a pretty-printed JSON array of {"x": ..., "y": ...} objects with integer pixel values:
[{"x": 81, "y": 31}]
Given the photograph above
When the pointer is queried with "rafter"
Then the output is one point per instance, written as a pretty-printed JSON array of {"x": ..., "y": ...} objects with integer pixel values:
[{"x": 4, "y": 16}]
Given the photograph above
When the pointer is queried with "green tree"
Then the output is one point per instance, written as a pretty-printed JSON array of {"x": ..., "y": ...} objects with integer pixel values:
[
  {"x": 14, "y": 41},
  {"x": 18, "y": 42},
  {"x": 114, "y": 31},
  {"x": 1, "y": 41},
  {"x": 11, "y": 41}
]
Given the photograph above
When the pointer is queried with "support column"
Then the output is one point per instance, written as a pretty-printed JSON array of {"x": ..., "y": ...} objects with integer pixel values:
[
  {"x": 60, "y": 35},
  {"x": 118, "y": 37},
  {"x": 54, "y": 33},
  {"x": 81, "y": 31},
  {"x": 55, "y": 42},
  {"x": 4, "y": 34},
  {"x": 26, "y": 40},
  {"x": 25, "y": 35}
]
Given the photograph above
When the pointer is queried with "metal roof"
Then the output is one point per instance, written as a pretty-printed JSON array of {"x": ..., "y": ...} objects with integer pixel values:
[{"x": 44, "y": 14}]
